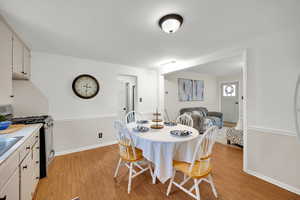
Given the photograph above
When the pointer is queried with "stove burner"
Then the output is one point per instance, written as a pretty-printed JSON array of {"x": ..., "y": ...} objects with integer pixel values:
[{"x": 32, "y": 119}]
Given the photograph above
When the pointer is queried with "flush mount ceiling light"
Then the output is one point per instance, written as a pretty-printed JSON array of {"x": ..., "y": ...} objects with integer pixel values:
[{"x": 170, "y": 23}]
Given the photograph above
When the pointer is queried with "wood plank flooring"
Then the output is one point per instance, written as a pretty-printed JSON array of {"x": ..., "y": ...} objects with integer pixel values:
[
  {"x": 229, "y": 124},
  {"x": 89, "y": 175}
]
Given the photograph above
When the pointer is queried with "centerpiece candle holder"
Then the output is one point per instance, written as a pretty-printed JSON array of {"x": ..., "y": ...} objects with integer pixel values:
[{"x": 157, "y": 120}]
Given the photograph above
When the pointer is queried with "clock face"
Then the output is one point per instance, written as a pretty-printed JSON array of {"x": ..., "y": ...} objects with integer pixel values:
[{"x": 85, "y": 86}]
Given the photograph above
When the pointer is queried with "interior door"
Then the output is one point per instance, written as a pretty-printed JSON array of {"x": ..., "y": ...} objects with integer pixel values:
[
  {"x": 122, "y": 95},
  {"x": 230, "y": 101}
]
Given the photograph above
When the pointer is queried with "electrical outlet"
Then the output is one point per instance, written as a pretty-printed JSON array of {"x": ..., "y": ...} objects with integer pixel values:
[{"x": 100, "y": 135}]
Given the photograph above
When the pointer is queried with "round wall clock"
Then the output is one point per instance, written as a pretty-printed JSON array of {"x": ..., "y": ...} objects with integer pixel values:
[{"x": 85, "y": 86}]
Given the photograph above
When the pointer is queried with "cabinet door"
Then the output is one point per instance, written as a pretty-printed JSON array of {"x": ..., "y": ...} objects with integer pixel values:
[
  {"x": 36, "y": 163},
  {"x": 5, "y": 64},
  {"x": 26, "y": 63},
  {"x": 17, "y": 55},
  {"x": 10, "y": 191},
  {"x": 26, "y": 186}
]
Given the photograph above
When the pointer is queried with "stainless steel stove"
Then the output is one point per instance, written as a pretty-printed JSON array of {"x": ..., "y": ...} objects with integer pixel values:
[{"x": 47, "y": 152}]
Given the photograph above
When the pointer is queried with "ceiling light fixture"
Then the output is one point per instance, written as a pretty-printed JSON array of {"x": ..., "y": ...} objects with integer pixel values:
[{"x": 170, "y": 23}]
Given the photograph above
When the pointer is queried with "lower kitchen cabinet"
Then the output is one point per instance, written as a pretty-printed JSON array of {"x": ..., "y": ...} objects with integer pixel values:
[
  {"x": 26, "y": 174},
  {"x": 10, "y": 191}
]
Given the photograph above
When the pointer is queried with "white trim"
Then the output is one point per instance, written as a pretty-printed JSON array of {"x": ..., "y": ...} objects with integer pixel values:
[
  {"x": 60, "y": 153},
  {"x": 86, "y": 117},
  {"x": 295, "y": 107},
  {"x": 273, "y": 181},
  {"x": 272, "y": 131},
  {"x": 245, "y": 113}
]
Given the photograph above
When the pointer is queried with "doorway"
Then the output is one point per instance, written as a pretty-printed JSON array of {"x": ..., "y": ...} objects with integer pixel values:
[
  {"x": 230, "y": 102},
  {"x": 127, "y": 94}
]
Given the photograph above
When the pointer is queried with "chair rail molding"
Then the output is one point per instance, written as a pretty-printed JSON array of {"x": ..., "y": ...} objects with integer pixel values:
[{"x": 271, "y": 130}]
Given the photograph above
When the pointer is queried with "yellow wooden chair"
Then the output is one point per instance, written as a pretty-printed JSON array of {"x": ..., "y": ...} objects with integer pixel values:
[
  {"x": 130, "y": 156},
  {"x": 200, "y": 168}
]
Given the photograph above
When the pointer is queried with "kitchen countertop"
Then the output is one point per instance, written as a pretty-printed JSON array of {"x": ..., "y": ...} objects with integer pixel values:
[{"x": 26, "y": 132}]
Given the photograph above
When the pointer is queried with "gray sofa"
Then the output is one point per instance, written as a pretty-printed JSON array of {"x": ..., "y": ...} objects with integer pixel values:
[{"x": 202, "y": 118}]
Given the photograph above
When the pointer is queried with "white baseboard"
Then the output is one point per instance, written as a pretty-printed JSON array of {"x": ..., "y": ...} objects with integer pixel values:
[
  {"x": 273, "y": 181},
  {"x": 60, "y": 153}
]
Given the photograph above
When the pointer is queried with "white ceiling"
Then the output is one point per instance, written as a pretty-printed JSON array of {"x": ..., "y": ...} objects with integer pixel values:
[
  {"x": 224, "y": 67},
  {"x": 126, "y": 31}
]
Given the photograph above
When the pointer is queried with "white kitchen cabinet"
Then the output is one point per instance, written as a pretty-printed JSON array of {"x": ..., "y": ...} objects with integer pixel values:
[
  {"x": 17, "y": 56},
  {"x": 36, "y": 163},
  {"x": 21, "y": 60},
  {"x": 26, "y": 63},
  {"x": 5, "y": 64},
  {"x": 10, "y": 191},
  {"x": 26, "y": 174}
]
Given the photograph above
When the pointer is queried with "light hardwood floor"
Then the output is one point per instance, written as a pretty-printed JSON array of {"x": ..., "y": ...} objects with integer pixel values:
[
  {"x": 229, "y": 124},
  {"x": 89, "y": 175}
]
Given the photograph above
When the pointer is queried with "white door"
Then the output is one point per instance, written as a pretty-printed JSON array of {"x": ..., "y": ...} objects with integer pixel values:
[
  {"x": 122, "y": 99},
  {"x": 127, "y": 94},
  {"x": 230, "y": 101}
]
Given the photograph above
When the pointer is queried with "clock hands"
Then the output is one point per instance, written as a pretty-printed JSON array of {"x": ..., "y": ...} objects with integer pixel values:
[{"x": 86, "y": 86}]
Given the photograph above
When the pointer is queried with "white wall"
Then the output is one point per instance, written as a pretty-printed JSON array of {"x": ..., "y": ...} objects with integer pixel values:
[
  {"x": 28, "y": 99},
  {"x": 172, "y": 103},
  {"x": 77, "y": 121},
  {"x": 273, "y": 67}
]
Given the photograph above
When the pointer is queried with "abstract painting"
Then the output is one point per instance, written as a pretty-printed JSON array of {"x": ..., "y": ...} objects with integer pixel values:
[
  {"x": 190, "y": 90},
  {"x": 185, "y": 89},
  {"x": 198, "y": 90}
]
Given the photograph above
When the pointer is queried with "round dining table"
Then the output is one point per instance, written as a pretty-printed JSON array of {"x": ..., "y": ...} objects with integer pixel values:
[{"x": 161, "y": 148}]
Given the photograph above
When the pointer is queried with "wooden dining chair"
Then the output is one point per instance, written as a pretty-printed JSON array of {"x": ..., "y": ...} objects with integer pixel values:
[
  {"x": 185, "y": 119},
  {"x": 132, "y": 116},
  {"x": 130, "y": 156},
  {"x": 199, "y": 169}
]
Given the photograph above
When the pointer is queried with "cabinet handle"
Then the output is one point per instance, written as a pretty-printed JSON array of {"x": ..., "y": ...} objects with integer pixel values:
[
  {"x": 3, "y": 198},
  {"x": 36, "y": 136},
  {"x": 37, "y": 147},
  {"x": 27, "y": 148},
  {"x": 25, "y": 167},
  {"x": 37, "y": 162},
  {"x": 37, "y": 177},
  {"x": 11, "y": 96}
]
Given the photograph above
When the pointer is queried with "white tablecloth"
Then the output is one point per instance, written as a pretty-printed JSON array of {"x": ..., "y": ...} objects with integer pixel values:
[{"x": 161, "y": 148}]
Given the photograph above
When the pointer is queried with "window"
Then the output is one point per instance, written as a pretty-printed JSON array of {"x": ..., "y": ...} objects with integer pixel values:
[{"x": 229, "y": 90}]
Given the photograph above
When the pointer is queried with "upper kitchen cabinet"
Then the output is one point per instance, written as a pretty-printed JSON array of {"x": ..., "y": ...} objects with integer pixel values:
[
  {"x": 21, "y": 59},
  {"x": 26, "y": 62},
  {"x": 5, "y": 63}
]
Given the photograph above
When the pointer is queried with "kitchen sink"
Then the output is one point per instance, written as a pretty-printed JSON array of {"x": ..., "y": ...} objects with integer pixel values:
[{"x": 7, "y": 143}]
